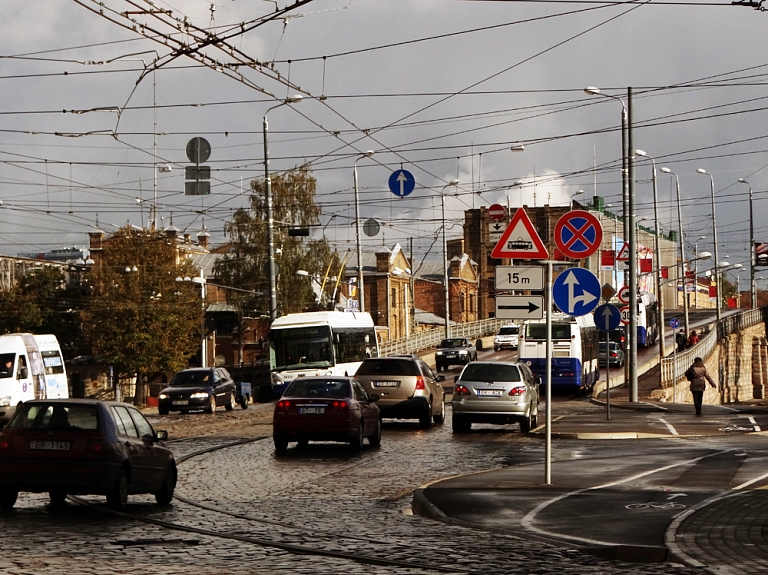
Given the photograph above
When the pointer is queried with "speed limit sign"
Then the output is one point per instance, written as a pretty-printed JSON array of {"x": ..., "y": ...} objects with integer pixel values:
[{"x": 625, "y": 315}]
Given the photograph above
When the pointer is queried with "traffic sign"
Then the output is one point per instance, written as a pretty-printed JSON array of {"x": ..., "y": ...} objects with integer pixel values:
[
  {"x": 371, "y": 227},
  {"x": 519, "y": 278},
  {"x": 198, "y": 150},
  {"x": 401, "y": 183},
  {"x": 674, "y": 323},
  {"x": 520, "y": 240},
  {"x": 624, "y": 294},
  {"x": 626, "y": 316},
  {"x": 607, "y": 317},
  {"x": 578, "y": 234},
  {"x": 497, "y": 212},
  {"x": 576, "y": 291},
  {"x": 519, "y": 307},
  {"x": 495, "y": 230},
  {"x": 607, "y": 292},
  {"x": 623, "y": 255}
]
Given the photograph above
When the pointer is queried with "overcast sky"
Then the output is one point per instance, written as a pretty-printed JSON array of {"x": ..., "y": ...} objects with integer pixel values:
[{"x": 443, "y": 88}]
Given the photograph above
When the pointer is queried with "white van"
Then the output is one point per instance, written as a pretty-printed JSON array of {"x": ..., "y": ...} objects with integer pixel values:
[
  {"x": 31, "y": 367},
  {"x": 507, "y": 337}
]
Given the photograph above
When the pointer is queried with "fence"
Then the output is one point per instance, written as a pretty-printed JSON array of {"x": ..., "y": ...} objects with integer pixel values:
[{"x": 431, "y": 337}]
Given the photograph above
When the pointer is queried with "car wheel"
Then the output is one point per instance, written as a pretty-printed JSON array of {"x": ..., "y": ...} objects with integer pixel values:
[
  {"x": 57, "y": 498},
  {"x": 281, "y": 444},
  {"x": 461, "y": 424},
  {"x": 165, "y": 495},
  {"x": 8, "y": 498},
  {"x": 425, "y": 419},
  {"x": 525, "y": 424},
  {"x": 244, "y": 402},
  {"x": 356, "y": 443},
  {"x": 535, "y": 418},
  {"x": 162, "y": 411},
  {"x": 495, "y": 348},
  {"x": 232, "y": 402},
  {"x": 440, "y": 417},
  {"x": 117, "y": 498},
  {"x": 211, "y": 408},
  {"x": 375, "y": 439}
]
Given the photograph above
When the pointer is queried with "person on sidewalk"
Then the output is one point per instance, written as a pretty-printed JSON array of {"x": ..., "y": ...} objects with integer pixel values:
[
  {"x": 680, "y": 341},
  {"x": 699, "y": 380},
  {"x": 693, "y": 339}
]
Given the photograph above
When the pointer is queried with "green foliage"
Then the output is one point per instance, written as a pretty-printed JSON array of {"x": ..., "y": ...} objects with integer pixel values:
[
  {"x": 293, "y": 205},
  {"x": 143, "y": 321}
]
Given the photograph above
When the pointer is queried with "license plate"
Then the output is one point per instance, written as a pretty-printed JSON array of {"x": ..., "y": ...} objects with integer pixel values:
[
  {"x": 49, "y": 445},
  {"x": 386, "y": 383},
  {"x": 304, "y": 410},
  {"x": 450, "y": 355},
  {"x": 489, "y": 392},
  {"x": 181, "y": 402}
]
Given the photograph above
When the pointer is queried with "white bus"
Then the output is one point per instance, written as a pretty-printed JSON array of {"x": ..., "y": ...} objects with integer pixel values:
[
  {"x": 319, "y": 343},
  {"x": 574, "y": 350}
]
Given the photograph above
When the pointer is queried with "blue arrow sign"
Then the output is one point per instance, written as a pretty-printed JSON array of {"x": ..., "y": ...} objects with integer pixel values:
[
  {"x": 607, "y": 317},
  {"x": 576, "y": 291},
  {"x": 401, "y": 183},
  {"x": 674, "y": 323}
]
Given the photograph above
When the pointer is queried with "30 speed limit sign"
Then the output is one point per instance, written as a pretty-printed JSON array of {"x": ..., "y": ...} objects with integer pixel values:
[{"x": 626, "y": 317}]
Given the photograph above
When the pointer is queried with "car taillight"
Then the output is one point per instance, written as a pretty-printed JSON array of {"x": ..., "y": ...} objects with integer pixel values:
[
  {"x": 420, "y": 383},
  {"x": 6, "y": 444},
  {"x": 282, "y": 406},
  {"x": 97, "y": 444},
  {"x": 516, "y": 391},
  {"x": 460, "y": 390},
  {"x": 340, "y": 405}
]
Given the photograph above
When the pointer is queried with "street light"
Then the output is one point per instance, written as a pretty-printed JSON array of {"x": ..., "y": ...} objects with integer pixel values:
[
  {"x": 752, "y": 292},
  {"x": 445, "y": 258},
  {"x": 201, "y": 281},
  {"x": 360, "y": 288},
  {"x": 682, "y": 249},
  {"x": 696, "y": 272},
  {"x": 270, "y": 217},
  {"x": 714, "y": 237}
]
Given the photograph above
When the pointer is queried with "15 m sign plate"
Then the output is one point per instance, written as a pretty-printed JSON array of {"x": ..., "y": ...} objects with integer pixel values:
[{"x": 519, "y": 278}]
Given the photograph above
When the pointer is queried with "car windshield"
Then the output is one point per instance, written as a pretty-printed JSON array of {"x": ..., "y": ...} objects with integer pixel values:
[
  {"x": 453, "y": 343},
  {"x": 45, "y": 416},
  {"x": 613, "y": 346},
  {"x": 191, "y": 378},
  {"x": 490, "y": 372},
  {"x": 509, "y": 330},
  {"x": 330, "y": 388},
  {"x": 6, "y": 364},
  {"x": 388, "y": 366}
]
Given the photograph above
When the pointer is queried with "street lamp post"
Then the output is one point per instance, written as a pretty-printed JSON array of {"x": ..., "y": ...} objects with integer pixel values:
[
  {"x": 714, "y": 238},
  {"x": 682, "y": 250},
  {"x": 360, "y": 288},
  {"x": 445, "y": 259},
  {"x": 696, "y": 273},
  {"x": 657, "y": 253},
  {"x": 270, "y": 218},
  {"x": 752, "y": 292}
]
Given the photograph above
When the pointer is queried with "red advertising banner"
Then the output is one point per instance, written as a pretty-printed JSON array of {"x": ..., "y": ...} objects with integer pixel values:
[
  {"x": 607, "y": 258},
  {"x": 665, "y": 273},
  {"x": 732, "y": 302},
  {"x": 646, "y": 266},
  {"x": 713, "y": 292}
]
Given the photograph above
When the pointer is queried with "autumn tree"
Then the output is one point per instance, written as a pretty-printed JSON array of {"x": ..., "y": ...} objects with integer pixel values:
[
  {"x": 140, "y": 319},
  {"x": 293, "y": 206}
]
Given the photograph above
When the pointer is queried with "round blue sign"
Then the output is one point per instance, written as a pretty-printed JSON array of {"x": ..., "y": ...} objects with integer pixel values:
[
  {"x": 607, "y": 317},
  {"x": 674, "y": 323},
  {"x": 576, "y": 291},
  {"x": 401, "y": 183}
]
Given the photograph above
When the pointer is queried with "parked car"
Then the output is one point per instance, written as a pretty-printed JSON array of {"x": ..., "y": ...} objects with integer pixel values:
[
  {"x": 407, "y": 388},
  {"x": 201, "y": 388},
  {"x": 612, "y": 354},
  {"x": 507, "y": 338},
  {"x": 326, "y": 409},
  {"x": 84, "y": 447},
  {"x": 454, "y": 351},
  {"x": 495, "y": 392}
]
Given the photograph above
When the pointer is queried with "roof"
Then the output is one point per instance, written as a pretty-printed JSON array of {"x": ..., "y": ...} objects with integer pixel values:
[
  {"x": 205, "y": 262},
  {"x": 427, "y": 318}
]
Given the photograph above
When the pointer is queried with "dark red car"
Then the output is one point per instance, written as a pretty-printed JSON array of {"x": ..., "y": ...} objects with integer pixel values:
[
  {"x": 326, "y": 409},
  {"x": 81, "y": 446}
]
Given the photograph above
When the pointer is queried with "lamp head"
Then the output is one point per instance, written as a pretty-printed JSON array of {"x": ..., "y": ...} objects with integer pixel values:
[
  {"x": 723, "y": 264},
  {"x": 454, "y": 182},
  {"x": 737, "y": 266},
  {"x": 368, "y": 153},
  {"x": 591, "y": 90},
  {"x": 640, "y": 153},
  {"x": 743, "y": 181},
  {"x": 701, "y": 170},
  {"x": 293, "y": 99},
  {"x": 704, "y": 255},
  {"x": 517, "y": 147},
  {"x": 665, "y": 169}
]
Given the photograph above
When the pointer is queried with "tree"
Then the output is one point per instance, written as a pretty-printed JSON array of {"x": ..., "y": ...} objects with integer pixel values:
[
  {"x": 294, "y": 205},
  {"x": 140, "y": 319}
]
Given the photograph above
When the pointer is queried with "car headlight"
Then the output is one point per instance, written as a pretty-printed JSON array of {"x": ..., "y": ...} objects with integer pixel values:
[
  {"x": 439, "y": 353},
  {"x": 276, "y": 379},
  {"x": 162, "y": 396},
  {"x": 5, "y": 401},
  {"x": 199, "y": 395},
  {"x": 463, "y": 352}
]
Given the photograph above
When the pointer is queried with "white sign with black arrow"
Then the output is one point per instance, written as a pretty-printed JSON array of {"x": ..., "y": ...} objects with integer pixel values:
[
  {"x": 519, "y": 306},
  {"x": 495, "y": 229}
]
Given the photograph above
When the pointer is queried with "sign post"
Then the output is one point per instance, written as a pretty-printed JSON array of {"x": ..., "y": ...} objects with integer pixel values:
[
  {"x": 607, "y": 318},
  {"x": 674, "y": 323}
]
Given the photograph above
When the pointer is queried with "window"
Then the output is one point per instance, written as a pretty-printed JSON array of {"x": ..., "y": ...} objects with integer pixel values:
[
  {"x": 52, "y": 362},
  {"x": 56, "y": 416},
  {"x": 141, "y": 424},
  {"x": 319, "y": 388},
  {"x": 360, "y": 393},
  {"x": 383, "y": 366},
  {"x": 121, "y": 415},
  {"x": 490, "y": 372}
]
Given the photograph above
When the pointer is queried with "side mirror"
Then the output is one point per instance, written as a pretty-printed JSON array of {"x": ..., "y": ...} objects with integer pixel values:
[
  {"x": 23, "y": 373},
  {"x": 440, "y": 378},
  {"x": 455, "y": 378},
  {"x": 161, "y": 435},
  {"x": 374, "y": 397}
]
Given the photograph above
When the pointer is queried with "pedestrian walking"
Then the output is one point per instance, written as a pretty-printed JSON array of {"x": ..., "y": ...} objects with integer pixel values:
[
  {"x": 693, "y": 339},
  {"x": 680, "y": 341},
  {"x": 698, "y": 376}
]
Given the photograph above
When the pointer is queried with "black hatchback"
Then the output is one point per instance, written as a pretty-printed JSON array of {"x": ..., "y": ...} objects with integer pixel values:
[{"x": 201, "y": 388}]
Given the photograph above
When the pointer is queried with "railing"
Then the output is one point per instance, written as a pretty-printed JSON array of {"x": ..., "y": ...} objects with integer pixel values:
[
  {"x": 431, "y": 337},
  {"x": 674, "y": 366}
]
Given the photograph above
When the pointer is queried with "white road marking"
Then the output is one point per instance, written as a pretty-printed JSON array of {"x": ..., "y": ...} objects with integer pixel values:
[
  {"x": 672, "y": 430},
  {"x": 754, "y": 423},
  {"x": 750, "y": 482}
]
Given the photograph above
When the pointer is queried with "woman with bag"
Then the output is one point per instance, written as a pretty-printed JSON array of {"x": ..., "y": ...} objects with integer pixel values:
[{"x": 698, "y": 376}]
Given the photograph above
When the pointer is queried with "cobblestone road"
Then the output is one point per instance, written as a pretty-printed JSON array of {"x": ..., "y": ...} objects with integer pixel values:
[{"x": 323, "y": 498}]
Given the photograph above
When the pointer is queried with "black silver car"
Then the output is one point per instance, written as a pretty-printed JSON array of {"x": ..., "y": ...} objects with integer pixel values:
[
  {"x": 497, "y": 392},
  {"x": 201, "y": 388},
  {"x": 407, "y": 388},
  {"x": 454, "y": 351}
]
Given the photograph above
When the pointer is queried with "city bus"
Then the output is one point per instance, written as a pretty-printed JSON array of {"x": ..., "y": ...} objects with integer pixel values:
[
  {"x": 574, "y": 350},
  {"x": 319, "y": 343},
  {"x": 647, "y": 319}
]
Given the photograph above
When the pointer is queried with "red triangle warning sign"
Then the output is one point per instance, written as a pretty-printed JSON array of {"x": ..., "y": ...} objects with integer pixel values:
[
  {"x": 623, "y": 255},
  {"x": 520, "y": 240}
]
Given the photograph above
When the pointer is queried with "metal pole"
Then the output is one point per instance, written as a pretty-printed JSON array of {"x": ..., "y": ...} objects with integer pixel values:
[
  {"x": 752, "y": 291},
  {"x": 684, "y": 280},
  {"x": 633, "y": 384},
  {"x": 607, "y": 375},
  {"x": 445, "y": 260},
  {"x": 548, "y": 378},
  {"x": 360, "y": 288},
  {"x": 714, "y": 238}
]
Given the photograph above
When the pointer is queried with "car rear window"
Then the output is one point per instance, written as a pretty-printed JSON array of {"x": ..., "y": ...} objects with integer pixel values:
[
  {"x": 43, "y": 416},
  {"x": 453, "y": 343},
  {"x": 388, "y": 366},
  {"x": 188, "y": 378},
  {"x": 511, "y": 330},
  {"x": 318, "y": 388},
  {"x": 490, "y": 372}
]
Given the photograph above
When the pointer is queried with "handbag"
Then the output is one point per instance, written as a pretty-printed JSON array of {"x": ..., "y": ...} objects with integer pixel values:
[{"x": 690, "y": 375}]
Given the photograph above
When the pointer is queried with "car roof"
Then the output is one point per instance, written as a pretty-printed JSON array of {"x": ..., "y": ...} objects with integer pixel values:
[{"x": 324, "y": 378}]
